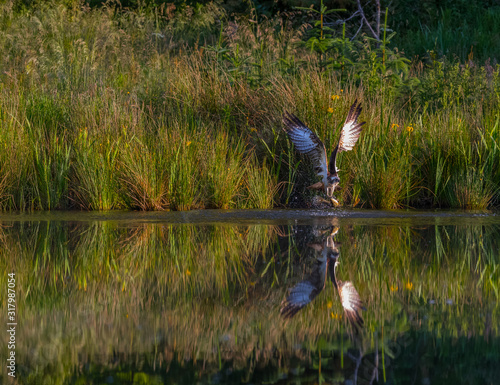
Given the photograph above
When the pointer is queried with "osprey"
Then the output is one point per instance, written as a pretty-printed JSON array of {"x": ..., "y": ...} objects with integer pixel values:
[
  {"x": 307, "y": 290},
  {"x": 307, "y": 142}
]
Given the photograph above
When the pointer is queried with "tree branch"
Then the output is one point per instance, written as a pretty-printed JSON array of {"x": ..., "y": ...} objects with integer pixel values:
[
  {"x": 378, "y": 18},
  {"x": 341, "y": 21},
  {"x": 359, "y": 29},
  {"x": 363, "y": 17}
]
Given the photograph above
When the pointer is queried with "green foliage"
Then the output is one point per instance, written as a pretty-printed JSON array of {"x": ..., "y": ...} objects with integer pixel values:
[
  {"x": 322, "y": 36},
  {"x": 150, "y": 109},
  {"x": 463, "y": 29}
]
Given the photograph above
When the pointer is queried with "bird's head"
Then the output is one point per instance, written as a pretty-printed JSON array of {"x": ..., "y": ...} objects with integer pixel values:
[{"x": 332, "y": 183}]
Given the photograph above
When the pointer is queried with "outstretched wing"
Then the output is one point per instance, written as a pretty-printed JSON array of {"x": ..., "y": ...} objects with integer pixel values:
[
  {"x": 306, "y": 142},
  {"x": 349, "y": 135},
  {"x": 352, "y": 304},
  {"x": 305, "y": 291}
]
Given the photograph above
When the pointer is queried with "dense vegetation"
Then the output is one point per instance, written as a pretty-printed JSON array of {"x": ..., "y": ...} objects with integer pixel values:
[{"x": 178, "y": 106}]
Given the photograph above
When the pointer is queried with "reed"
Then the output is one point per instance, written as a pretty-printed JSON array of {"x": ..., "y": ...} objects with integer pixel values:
[{"x": 93, "y": 181}]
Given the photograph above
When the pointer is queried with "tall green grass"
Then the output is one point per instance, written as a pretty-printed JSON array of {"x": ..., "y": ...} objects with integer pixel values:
[
  {"x": 466, "y": 30},
  {"x": 108, "y": 108}
]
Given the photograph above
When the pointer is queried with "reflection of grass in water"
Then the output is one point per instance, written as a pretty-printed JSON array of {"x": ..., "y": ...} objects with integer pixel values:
[
  {"x": 208, "y": 293},
  {"x": 187, "y": 261},
  {"x": 180, "y": 262},
  {"x": 204, "y": 335},
  {"x": 434, "y": 263}
]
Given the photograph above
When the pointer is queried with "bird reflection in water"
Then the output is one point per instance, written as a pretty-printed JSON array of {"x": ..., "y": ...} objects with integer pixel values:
[
  {"x": 303, "y": 293},
  {"x": 365, "y": 365}
]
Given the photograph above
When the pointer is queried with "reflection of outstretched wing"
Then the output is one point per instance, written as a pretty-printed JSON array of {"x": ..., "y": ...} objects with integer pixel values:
[
  {"x": 352, "y": 304},
  {"x": 351, "y": 301},
  {"x": 300, "y": 295},
  {"x": 306, "y": 142},
  {"x": 305, "y": 291},
  {"x": 348, "y": 136}
]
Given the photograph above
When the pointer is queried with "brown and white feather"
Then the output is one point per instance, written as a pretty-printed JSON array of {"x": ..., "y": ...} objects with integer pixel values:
[
  {"x": 348, "y": 136},
  {"x": 351, "y": 130},
  {"x": 306, "y": 142}
]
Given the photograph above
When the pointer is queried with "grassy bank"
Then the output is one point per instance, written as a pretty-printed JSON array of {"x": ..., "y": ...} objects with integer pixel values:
[{"x": 153, "y": 109}]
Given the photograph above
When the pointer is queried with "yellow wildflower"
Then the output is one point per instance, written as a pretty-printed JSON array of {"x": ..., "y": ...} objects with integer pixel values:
[
  {"x": 394, "y": 287},
  {"x": 335, "y": 97},
  {"x": 330, "y": 110},
  {"x": 329, "y": 305},
  {"x": 409, "y": 285},
  {"x": 341, "y": 90},
  {"x": 409, "y": 129},
  {"x": 335, "y": 316},
  {"x": 394, "y": 125},
  {"x": 188, "y": 273},
  {"x": 188, "y": 143}
]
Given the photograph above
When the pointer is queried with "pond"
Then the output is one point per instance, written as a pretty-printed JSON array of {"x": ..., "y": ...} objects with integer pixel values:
[{"x": 230, "y": 297}]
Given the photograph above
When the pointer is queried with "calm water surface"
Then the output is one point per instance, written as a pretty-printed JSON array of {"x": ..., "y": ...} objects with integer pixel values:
[{"x": 201, "y": 297}]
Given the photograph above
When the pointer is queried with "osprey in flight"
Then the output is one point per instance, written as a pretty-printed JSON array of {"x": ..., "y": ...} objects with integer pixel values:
[{"x": 307, "y": 142}]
